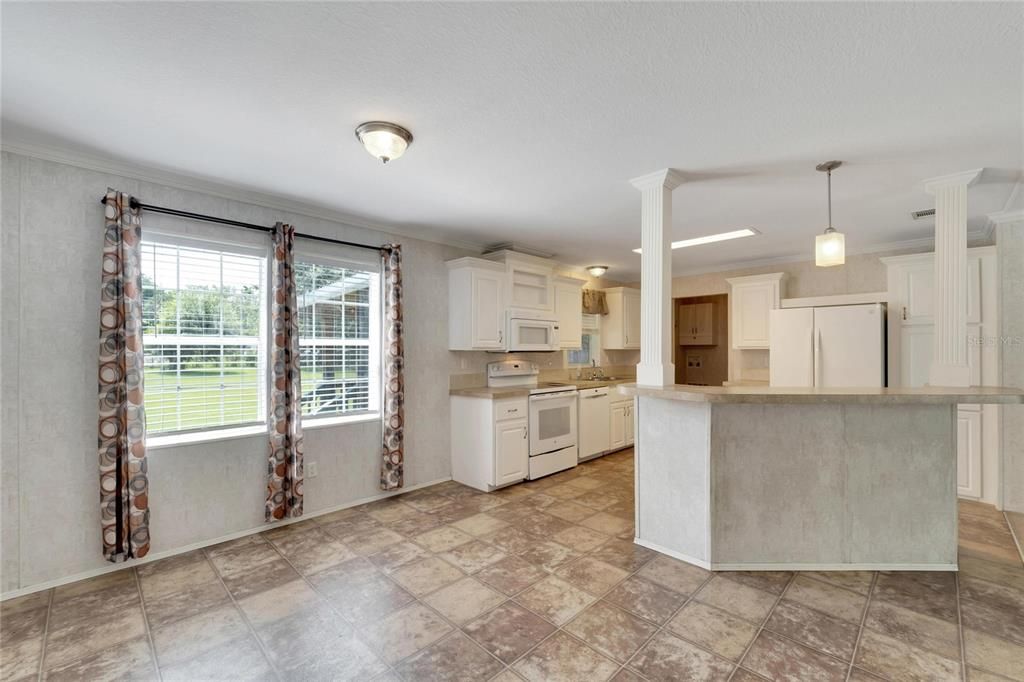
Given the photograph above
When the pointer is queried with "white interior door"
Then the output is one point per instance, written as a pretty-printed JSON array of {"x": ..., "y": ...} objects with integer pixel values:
[
  {"x": 849, "y": 346},
  {"x": 791, "y": 357}
]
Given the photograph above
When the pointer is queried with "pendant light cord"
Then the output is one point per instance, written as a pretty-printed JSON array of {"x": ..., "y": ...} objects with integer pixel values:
[{"x": 830, "y": 199}]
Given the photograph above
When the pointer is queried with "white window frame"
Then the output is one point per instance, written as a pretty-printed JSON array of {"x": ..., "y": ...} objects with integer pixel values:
[
  {"x": 592, "y": 328},
  {"x": 210, "y": 433},
  {"x": 303, "y": 253}
]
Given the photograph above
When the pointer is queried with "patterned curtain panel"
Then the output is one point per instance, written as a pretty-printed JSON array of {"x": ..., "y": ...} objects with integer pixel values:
[
  {"x": 393, "y": 355},
  {"x": 284, "y": 470},
  {"x": 124, "y": 485},
  {"x": 595, "y": 302}
]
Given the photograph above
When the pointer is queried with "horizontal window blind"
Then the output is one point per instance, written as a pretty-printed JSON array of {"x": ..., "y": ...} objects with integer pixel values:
[
  {"x": 337, "y": 327},
  {"x": 203, "y": 325}
]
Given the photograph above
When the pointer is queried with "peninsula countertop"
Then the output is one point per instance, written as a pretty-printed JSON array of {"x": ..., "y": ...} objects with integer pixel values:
[
  {"x": 928, "y": 395},
  {"x": 523, "y": 391}
]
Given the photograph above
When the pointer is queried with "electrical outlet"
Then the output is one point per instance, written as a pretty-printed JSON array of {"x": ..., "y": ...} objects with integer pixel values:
[{"x": 311, "y": 470}]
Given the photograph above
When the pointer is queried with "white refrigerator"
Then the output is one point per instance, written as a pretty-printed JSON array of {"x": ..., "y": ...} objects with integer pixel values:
[{"x": 831, "y": 346}]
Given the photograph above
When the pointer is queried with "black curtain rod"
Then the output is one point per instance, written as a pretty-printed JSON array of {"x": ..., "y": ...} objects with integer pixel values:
[{"x": 136, "y": 204}]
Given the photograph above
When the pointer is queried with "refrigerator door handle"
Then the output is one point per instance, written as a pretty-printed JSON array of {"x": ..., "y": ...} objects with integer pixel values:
[{"x": 817, "y": 357}]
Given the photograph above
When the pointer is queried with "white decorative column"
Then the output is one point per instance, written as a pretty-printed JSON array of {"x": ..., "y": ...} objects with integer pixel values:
[
  {"x": 656, "y": 367},
  {"x": 949, "y": 347}
]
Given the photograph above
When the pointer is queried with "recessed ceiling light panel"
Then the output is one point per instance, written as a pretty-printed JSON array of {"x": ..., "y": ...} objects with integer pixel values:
[{"x": 712, "y": 238}]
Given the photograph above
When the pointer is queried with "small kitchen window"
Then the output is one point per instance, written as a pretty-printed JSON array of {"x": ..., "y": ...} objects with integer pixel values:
[{"x": 590, "y": 346}]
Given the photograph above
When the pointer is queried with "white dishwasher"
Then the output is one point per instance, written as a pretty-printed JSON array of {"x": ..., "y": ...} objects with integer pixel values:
[{"x": 593, "y": 436}]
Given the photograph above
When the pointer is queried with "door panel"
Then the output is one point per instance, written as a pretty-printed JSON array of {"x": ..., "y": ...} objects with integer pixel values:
[
  {"x": 968, "y": 453},
  {"x": 919, "y": 286},
  {"x": 487, "y": 315},
  {"x": 617, "y": 426}
]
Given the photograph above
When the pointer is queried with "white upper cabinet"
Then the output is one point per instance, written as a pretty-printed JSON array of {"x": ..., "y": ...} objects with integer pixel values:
[
  {"x": 696, "y": 324},
  {"x": 476, "y": 304},
  {"x": 529, "y": 284},
  {"x": 569, "y": 311},
  {"x": 620, "y": 328},
  {"x": 750, "y": 301}
]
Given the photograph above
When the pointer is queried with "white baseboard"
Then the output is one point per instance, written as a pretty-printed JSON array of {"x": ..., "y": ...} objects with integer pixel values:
[
  {"x": 832, "y": 567},
  {"x": 21, "y": 592},
  {"x": 675, "y": 555}
]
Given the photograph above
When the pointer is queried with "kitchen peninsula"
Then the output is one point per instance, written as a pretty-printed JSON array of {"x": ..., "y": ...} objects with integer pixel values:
[{"x": 757, "y": 478}]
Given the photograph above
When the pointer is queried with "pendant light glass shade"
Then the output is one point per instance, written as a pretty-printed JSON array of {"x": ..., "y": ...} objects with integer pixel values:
[{"x": 829, "y": 248}]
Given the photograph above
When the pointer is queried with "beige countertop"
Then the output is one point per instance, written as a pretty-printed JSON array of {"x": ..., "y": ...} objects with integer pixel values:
[
  {"x": 522, "y": 392},
  {"x": 763, "y": 394}
]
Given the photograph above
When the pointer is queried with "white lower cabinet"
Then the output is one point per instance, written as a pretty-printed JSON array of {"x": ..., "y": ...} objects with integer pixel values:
[
  {"x": 621, "y": 423},
  {"x": 605, "y": 422},
  {"x": 490, "y": 441}
]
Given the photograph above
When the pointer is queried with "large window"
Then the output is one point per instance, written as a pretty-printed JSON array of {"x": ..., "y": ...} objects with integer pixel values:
[
  {"x": 339, "y": 336},
  {"x": 590, "y": 348},
  {"x": 204, "y": 325}
]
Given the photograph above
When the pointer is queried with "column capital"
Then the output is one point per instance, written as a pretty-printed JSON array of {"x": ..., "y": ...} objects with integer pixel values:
[
  {"x": 965, "y": 178},
  {"x": 669, "y": 178}
]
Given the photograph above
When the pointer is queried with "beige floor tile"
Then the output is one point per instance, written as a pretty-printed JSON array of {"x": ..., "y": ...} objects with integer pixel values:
[
  {"x": 479, "y": 524},
  {"x": 82, "y": 604},
  {"x": 564, "y": 491},
  {"x": 405, "y": 632},
  {"x": 570, "y": 511},
  {"x": 548, "y": 555},
  {"x": 188, "y": 638},
  {"x": 412, "y": 526},
  {"x": 713, "y": 629},
  {"x": 931, "y": 593},
  {"x": 473, "y": 556},
  {"x": 130, "y": 660},
  {"x": 673, "y": 574},
  {"x": 83, "y": 638},
  {"x": 993, "y": 608},
  {"x": 250, "y": 569},
  {"x": 21, "y": 640},
  {"x": 555, "y": 600},
  {"x": 363, "y": 595},
  {"x": 591, "y": 575},
  {"x": 196, "y": 599},
  {"x": 835, "y": 601},
  {"x": 561, "y": 657},
  {"x": 394, "y": 512},
  {"x": 895, "y": 659},
  {"x": 372, "y": 541},
  {"x": 542, "y": 525},
  {"x": 314, "y": 644},
  {"x": 442, "y": 539},
  {"x": 29, "y": 602},
  {"x": 238, "y": 659},
  {"x": 857, "y": 581},
  {"x": 280, "y": 602},
  {"x": 177, "y": 574},
  {"x": 646, "y": 599},
  {"x": 313, "y": 550},
  {"x": 398, "y": 555},
  {"x": 456, "y": 657},
  {"x": 916, "y": 629},
  {"x": 611, "y": 630},
  {"x": 627, "y": 675},
  {"x": 115, "y": 582},
  {"x": 511, "y": 575},
  {"x": 579, "y": 538},
  {"x": 606, "y": 523},
  {"x": 625, "y": 554},
  {"x": 769, "y": 581},
  {"x": 512, "y": 540},
  {"x": 781, "y": 659},
  {"x": 994, "y": 654},
  {"x": 509, "y": 631},
  {"x": 426, "y": 500},
  {"x": 815, "y": 629},
  {"x": 426, "y": 575},
  {"x": 464, "y": 600},
  {"x": 586, "y": 482},
  {"x": 667, "y": 658},
  {"x": 992, "y": 571},
  {"x": 740, "y": 600}
]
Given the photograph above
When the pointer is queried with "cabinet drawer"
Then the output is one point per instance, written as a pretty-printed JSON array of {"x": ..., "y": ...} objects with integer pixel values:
[{"x": 510, "y": 409}]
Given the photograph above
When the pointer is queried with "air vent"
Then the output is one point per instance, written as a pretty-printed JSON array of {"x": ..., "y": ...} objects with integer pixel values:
[{"x": 917, "y": 215}]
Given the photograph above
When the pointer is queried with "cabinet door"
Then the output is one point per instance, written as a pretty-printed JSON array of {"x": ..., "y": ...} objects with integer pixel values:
[
  {"x": 487, "y": 314},
  {"x": 685, "y": 330},
  {"x": 631, "y": 310},
  {"x": 751, "y": 305},
  {"x": 629, "y": 423},
  {"x": 918, "y": 290},
  {"x": 530, "y": 287},
  {"x": 968, "y": 451},
  {"x": 617, "y": 425},
  {"x": 703, "y": 324},
  {"x": 569, "y": 311},
  {"x": 511, "y": 451}
]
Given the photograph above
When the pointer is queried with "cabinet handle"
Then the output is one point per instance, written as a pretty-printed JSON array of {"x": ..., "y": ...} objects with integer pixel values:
[
  {"x": 513, "y": 409},
  {"x": 904, "y": 312},
  {"x": 501, "y": 336},
  {"x": 524, "y": 433}
]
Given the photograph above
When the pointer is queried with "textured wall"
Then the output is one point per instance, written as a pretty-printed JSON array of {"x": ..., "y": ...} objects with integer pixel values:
[
  {"x": 52, "y": 235},
  {"x": 1010, "y": 245}
]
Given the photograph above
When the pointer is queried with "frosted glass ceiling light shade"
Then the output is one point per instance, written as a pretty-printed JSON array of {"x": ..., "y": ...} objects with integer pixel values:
[
  {"x": 383, "y": 140},
  {"x": 829, "y": 248},
  {"x": 597, "y": 270}
]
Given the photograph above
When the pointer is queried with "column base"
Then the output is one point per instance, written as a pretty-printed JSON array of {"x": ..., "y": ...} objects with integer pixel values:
[
  {"x": 655, "y": 375},
  {"x": 949, "y": 375}
]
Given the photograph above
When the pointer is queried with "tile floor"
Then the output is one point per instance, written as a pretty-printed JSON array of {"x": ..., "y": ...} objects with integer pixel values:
[{"x": 539, "y": 581}]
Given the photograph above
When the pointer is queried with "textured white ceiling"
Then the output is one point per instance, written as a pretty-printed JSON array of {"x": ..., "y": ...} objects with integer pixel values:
[{"x": 529, "y": 119}]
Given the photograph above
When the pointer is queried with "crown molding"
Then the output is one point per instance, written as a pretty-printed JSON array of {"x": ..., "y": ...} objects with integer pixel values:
[
  {"x": 225, "y": 190},
  {"x": 669, "y": 178},
  {"x": 965, "y": 178}
]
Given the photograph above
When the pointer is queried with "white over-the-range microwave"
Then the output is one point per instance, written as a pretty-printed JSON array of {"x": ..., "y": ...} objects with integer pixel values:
[{"x": 531, "y": 333}]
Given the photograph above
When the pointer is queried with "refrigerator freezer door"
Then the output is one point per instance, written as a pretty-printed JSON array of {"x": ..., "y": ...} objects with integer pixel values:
[
  {"x": 850, "y": 346},
  {"x": 791, "y": 358}
]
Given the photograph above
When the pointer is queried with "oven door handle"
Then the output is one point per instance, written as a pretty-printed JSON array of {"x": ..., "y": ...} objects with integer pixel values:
[{"x": 565, "y": 395}]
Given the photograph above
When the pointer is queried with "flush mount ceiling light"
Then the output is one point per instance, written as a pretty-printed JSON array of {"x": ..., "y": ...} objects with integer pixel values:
[
  {"x": 384, "y": 140},
  {"x": 711, "y": 238},
  {"x": 829, "y": 248},
  {"x": 597, "y": 270}
]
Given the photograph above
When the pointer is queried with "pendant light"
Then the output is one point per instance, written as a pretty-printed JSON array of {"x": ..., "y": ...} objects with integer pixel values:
[{"x": 829, "y": 248}]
